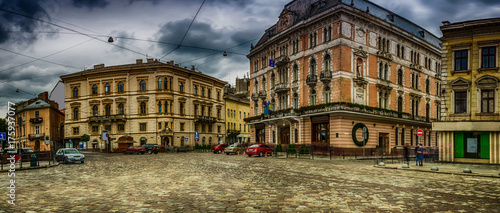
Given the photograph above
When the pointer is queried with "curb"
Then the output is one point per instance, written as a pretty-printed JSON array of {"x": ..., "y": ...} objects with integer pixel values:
[
  {"x": 441, "y": 172},
  {"x": 32, "y": 168}
]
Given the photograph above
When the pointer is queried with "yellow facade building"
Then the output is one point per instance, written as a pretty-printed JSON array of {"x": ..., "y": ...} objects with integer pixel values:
[
  {"x": 237, "y": 109},
  {"x": 153, "y": 102},
  {"x": 36, "y": 119},
  {"x": 470, "y": 125}
]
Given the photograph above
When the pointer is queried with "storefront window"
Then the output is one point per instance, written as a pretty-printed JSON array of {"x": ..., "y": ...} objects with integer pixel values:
[{"x": 472, "y": 145}]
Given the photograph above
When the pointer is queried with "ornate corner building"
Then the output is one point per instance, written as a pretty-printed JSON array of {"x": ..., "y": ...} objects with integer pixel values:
[
  {"x": 153, "y": 102},
  {"x": 344, "y": 73},
  {"x": 470, "y": 127}
]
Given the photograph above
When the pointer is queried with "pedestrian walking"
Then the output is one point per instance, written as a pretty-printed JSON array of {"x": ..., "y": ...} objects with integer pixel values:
[
  {"x": 416, "y": 155},
  {"x": 407, "y": 153},
  {"x": 420, "y": 154}
]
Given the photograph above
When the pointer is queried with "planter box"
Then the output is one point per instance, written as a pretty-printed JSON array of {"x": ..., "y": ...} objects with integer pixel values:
[
  {"x": 305, "y": 156},
  {"x": 281, "y": 154}
]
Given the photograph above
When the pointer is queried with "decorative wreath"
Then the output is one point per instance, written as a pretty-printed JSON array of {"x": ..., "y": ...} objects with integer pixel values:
[{"x": 354, "y": 129}]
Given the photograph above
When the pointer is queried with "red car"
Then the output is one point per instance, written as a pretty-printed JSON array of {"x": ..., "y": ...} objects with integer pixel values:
[
  {"x": 219, "y": 148},
  {"x": 259, "y": 149},
  {"x": 134, "y": 149}
]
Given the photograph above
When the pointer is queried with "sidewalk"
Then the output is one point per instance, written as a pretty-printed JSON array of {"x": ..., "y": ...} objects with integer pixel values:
[
  {"x": 26, "y": 166},
  {"x": 449, "y": 168}
]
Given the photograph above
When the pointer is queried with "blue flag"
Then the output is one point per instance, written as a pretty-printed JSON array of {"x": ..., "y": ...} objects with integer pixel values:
[{"x": 266, "y": 108}]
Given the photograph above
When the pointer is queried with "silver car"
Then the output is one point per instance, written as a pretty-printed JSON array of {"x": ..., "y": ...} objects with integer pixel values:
[{"x": 69, "y": 155}]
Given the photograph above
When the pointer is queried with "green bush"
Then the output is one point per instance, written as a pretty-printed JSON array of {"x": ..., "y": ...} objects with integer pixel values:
[
  {"x": 279, "y": 148},
  {"x": 304, "y": 150},
  {"x": 291, "y": 149}
]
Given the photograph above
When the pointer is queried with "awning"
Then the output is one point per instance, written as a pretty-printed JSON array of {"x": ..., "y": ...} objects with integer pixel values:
[{"x": 243, "y": 135}]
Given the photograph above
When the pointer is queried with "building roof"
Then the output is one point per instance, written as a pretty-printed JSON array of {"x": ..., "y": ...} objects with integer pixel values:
[
  {"x": 314, "y": 7},
  {"x": 469, "y": 23},
  {"x": 37, "y": 104}
]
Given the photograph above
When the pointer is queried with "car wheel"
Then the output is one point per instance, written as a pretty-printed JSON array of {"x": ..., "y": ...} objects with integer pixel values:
[
  {"x": 227, "y": 153},
  {"x": 260, "y": 154},
  {"x": 156, "y": 152},
  {"x": 220, "y": 151},
  {"x": 249, "y": 155},
  {"x": 65, "y": 161},
  {"x": 150, "y": 152},
  {"x": 142, "y": 153},
  {"x": 124, "y": 153},
  {"x": 83, "y": 161}
]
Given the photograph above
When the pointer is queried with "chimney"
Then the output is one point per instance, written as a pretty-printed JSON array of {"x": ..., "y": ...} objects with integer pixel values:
[
  {"x": 98, "y": 66},
  {"x": 138, "y": 61},
  {"x": 445, "y": 23},
  {"x": 192, "y": 68},
  {"x": 150, "y": 60},
  {"x": 44, "y": 96}
]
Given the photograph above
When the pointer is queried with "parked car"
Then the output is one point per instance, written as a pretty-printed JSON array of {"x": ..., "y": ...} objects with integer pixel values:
[
  {"x": 219, "y": 148},
  {"x": 69, "y": 155},
  {"x": 259, "y": 149},
  {"x": 134, "y": 150},
  {"x": 235, "y": 148},
  {"x": 16, "y": 151},
  {"x": 151, "y": 148}
]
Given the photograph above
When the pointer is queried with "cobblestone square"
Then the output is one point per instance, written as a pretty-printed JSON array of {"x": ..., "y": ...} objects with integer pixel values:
[{"x": 205, "y": 182}]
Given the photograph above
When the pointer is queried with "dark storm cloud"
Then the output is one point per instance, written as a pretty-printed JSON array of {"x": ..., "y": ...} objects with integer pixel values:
[
  {"x": 90, "y": 3},
  {"x": 17, "y": 28}
]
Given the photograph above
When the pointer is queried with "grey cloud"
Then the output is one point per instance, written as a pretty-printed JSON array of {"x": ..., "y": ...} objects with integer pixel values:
[
  {"x": 90, "y": 3},
  {"x": 12, "y": 22}
]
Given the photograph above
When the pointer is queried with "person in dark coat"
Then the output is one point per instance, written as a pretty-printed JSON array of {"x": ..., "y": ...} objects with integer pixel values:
[
  {"x": 420, "y": 154},
  {"x": 406, "y": 153}
]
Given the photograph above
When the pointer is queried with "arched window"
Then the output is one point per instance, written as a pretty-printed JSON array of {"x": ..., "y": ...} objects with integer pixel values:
[
  {"x": 166, "y": 107},
  {"x": 165, "y": 83},
  {"x": 195, "y": 90},
  {"x": 327, "y": 62},
  {"x": 312, "y": 67},
  {"x": 75, "y": 113},
  {"x": 143, "y": 108},
  {"x": 264, "y": 84},
  {"x": 256, "y": 109},
  {"x": 312, "y": 97},
  {"x": 120, "y": 109},
  {"x": 427, "y": 86},
  {"x": 95, "y": 110},
  {"x": 273, "y": 80},
  {"x": 209, "y": 93},
  {"x": 202, "y": 91},
  {"x": 181, "y": 87},
  {"x": 397, "y": 51},
  {"x": 400, "y": 77},
  {"x": 295, "y": 101},
  {"x": 295, "y": 72},
  {"x": 120, "y": 86},
  {"x": 327, "y": 97},
  {"x": 380, "y": 70},
  {"x": 75, "y": 92},
  {"x": 108, "y": 110},
  {"x": 142, "y": 85},
  {"x": 386, "y": 71},
  {"x": 273, "y": 104},
  {"x": 159, "y": 83},
  {"x": 159, "y": 107},
  {"x": 402, "y": 52},
  {"x": 400, "y": 104},
  {"x": 94, "y": 89},
  {"x": 107, "y": 88}
]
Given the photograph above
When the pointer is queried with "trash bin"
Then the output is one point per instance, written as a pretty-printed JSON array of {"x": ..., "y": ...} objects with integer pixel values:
[{"x": 33, "y": 160}]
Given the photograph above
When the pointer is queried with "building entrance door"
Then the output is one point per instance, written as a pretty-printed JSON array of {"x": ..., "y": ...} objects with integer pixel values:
[
  {"x": 284, "y": 135},
  {"x": 383, "y": 142}
]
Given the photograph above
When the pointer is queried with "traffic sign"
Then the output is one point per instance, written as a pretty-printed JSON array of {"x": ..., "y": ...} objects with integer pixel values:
[
  {"x": 186, "y": 139},
  {"x": 105, "y": 135},
  {"x": 196, "y": 135},
  {"x": 420, "y": 132},
  {"x": 3, "y": 136},
  {"x": 271, "y": 63}
]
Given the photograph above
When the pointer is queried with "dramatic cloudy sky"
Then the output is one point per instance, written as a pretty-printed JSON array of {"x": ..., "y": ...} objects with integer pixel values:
[{"x": 43, "y": 39}]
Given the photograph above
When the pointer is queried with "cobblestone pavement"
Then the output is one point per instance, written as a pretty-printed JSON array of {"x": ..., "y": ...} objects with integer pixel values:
[{"x": 205, "y": 182}]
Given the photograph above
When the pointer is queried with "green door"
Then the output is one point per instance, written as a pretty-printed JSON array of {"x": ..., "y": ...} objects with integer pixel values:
[{"x": 459, "y": 144}]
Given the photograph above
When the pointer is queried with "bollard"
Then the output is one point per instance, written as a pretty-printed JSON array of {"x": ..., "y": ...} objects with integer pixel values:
[
  {"x": 266, "y": 154},
  {"x": 343, "y": 155}
]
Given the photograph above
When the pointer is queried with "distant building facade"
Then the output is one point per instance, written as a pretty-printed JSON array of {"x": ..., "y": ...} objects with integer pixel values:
[
  {"x": 470, "y": 126},
  {"x": 36, "y": 119},
  {"x": 153, "y": 102},
  {"x": 345, "y": 74},
  {"x": 237, "y": 109}
]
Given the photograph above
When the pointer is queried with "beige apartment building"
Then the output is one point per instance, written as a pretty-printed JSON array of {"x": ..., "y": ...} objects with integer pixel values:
[{"x": 152, "y": 102}]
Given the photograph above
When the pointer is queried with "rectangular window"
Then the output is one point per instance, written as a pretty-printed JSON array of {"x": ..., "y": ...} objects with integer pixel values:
[
  {"x": 107, "y": 127},
  {"x": 95, "y": 128},
  {"x": 37, "y": 114},
  {"x": 159, "y": 125},
  {"x": 182, "y": 126},
  {"x": 411, "y": 136},
  {"x": 218, "y": 129},
  {"x": 461, "y": 102},
  {"x": 488, "y": 57},
  {"x": 142, "y": 126},
  {"x": 461, "y": 60},
  {"x": 76, "y": 130},
  {"x": 37, "y": 129},
  {"x": 121, "y": 127},
  {"x": 403, "y": 132},
  {"x": 397, "y": 136},
  {"x": 487, "y": 101}
]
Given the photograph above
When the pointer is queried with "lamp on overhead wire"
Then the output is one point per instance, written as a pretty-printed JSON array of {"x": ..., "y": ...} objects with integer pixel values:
[
  {"x": 110, "y": 39},
  {"x": 225, "y": 53}
]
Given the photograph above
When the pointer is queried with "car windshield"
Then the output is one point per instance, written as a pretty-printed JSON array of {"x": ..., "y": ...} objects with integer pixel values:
[
  {"x": 253, "y": 146},
  {"x": 71, "y": 151},
  {"x": 232, "y": 145},
  {"x": 28, "y": 150}
]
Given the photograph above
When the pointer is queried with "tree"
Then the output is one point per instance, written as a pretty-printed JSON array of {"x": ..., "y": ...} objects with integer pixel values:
[{"x": 85, "y": 138}]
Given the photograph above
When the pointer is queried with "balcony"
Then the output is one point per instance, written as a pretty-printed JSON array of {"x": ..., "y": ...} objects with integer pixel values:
[
  {"x": 233, "y": 132},
  {"x": 36, "y": 136},
  {"x": 385, "y": 55},
  {"x": 326, "y": 76},
  {"x": 416, "y": 67},
  {"x": 282, "y": 60},
  {"x": 263, "y": 95},
  {"x": 38, "y": 120},
  {"x": 311, "y": 80},
  {"x": 282, "y": 87},
  {"x": 204, "y": 119},
  {"x": 255, "y": 97},
  {"x": 107, "y": 118}
]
